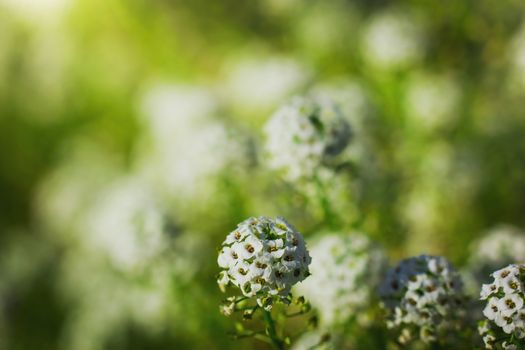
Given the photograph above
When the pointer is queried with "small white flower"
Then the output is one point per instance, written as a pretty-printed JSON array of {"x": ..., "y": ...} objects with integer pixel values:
[
  {"x": 261, "y": 266},
  {"x": 483, "y": 327},
  {"x": 519, "y": 318},
  {"x": 508, "y": 327},
  {"x": 505, "y": 274},
  {"x": 487, "y": 290},
  {"x": 240, "y": 273},
  {"x": 236, "y": 236},
  {"x": 416, "y": 282},
  {"x": 509, "y": 304},
  {"x": 227, "y": 257},
  {"x": 250, "y": 247},
  {"x": 491, "y": 310},
  {"x": 508, "y": 346},
  {"x": 511, "y": 284},
  {"x": 489, "y": 341},
  {"x": 223, "y": 280},
  {"x": 519, "y": 332}
]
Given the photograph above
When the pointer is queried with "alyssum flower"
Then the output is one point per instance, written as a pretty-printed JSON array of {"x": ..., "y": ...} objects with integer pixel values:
[
  {"x": 505, "y": 309},
  {"x": 423, "y": 294},
  {"x": 264, "y": 258},
  {"x": 305, "y": 134},
  {"x": 346, "y": 270}
]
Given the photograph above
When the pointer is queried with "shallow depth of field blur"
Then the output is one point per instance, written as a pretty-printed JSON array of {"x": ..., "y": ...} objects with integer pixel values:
[{"x": 132, "y": 143}]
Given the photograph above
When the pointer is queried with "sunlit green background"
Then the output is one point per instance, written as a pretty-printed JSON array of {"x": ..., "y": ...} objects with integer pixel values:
[{"x": 110, "y": 106}]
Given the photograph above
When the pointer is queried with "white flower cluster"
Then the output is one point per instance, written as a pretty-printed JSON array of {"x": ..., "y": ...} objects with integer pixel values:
[
  {"x": 432, "y": 100},
  {"x": 346, "y": 270},
  {"x": 187, "y": 145},
  {"x": 505, "y": 306},
  {"x": 127, "y": 225},
  {"x": 425, "y": 294},
  {"x": 305, "y": 134},
  {"x": 263, "y": 257}
]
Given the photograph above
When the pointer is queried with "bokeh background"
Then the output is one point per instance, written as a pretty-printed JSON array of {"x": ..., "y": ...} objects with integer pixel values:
[{"x": 131, "y": 138}]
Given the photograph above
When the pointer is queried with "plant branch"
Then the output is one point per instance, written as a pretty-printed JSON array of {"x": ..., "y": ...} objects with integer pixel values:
[{"x": 277, "y": 343}]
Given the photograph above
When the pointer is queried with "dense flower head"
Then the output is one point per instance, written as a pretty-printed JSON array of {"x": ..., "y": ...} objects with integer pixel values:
[
  {"x": 424, "y": 294},
  {"x": 505, "y": 309},
  {"x": 348, "y": 267},
  {"x": 305, "y": 134},
  {"x": 264, "y": 257}
]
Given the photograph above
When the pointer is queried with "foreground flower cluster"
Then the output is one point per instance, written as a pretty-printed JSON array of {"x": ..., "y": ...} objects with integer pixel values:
[
  {"x": 263, "y": 257},
  {"x": 423, "y": 294},
  {"x": 504, "y": 309}
]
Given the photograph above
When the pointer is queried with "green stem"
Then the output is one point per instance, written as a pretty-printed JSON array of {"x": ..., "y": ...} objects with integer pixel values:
[
  {"x": 277, "y": 343},
  {"x": 325, "y": 204}
]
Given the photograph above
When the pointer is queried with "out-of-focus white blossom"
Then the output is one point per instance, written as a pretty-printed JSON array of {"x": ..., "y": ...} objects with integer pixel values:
[
  {"x": 126, "y": 225},
  {"x": 304, "y": 135},
  {"x": 423, "y": 294},
  {"x": 105, "y": 301},
  {"x": 500, "y": 246},
  {"x": 487, "y": 334},
  {"x": 68, "y": 191},
  {"x": 504, "y": 309},
  {"x": 352, "y": 100},
  {"x": 432, "y": 101},
  {"x": 263, "y": 257},
  {"x": 171, "y": 110},
  {"x": 346, "y": 270},
  {"x": 188, "y": 144},
  {"x": 185, "y": 168},
  {"x": 391, "y": 41},
  {"x": 127, "y": 251},
  {"x": 318, "y": 340},
  {"x": 350, "y": 97},
  {"x": 261, "y": 84}
]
